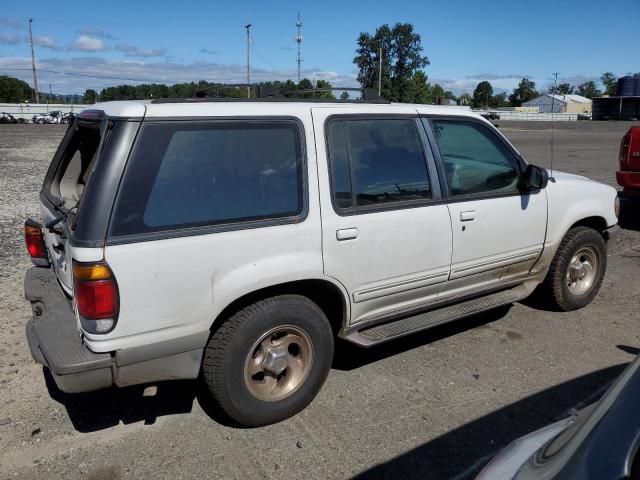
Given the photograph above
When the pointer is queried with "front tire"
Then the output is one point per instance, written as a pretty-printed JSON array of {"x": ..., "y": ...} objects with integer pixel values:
[
  {"x": 268, "y": 361},
  {"x": 577, "y": 270}
]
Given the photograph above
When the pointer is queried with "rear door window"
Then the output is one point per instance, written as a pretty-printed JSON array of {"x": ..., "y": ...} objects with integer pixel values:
[
  {"x": 376, "y": 162},
  {"x": 193, "y": 174}
]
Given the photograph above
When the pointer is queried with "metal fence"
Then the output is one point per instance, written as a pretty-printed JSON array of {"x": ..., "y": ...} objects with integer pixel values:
[{"x": 535, "y": 117}]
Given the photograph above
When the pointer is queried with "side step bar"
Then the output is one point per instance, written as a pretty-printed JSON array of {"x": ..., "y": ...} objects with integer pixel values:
[{"x": 368, "y": 335}]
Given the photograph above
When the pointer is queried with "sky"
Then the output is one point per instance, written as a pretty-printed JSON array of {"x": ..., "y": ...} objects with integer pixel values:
[{"x": 466, "y": 41}]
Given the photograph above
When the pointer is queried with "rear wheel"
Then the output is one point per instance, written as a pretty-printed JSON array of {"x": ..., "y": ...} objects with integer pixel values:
[
  {"x": 577, "y": 270},
  {"x": 268, "y": 361}
]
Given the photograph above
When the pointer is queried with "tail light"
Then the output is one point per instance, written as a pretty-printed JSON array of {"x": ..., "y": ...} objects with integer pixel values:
[
  {"x": 34, "y": 239},
  {"x": 96, "y": 296},
  {"x": 625, "y": 150},
  {"x": 630, "y": 150}
]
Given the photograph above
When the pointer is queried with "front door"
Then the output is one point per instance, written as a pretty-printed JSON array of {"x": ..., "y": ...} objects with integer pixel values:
[
  {"x": 386, "y": 237},
  {"x": 498, "y": 232}
]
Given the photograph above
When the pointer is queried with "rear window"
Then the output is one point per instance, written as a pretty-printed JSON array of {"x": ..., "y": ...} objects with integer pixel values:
[
  {"x": 196, "y": 174},
  {"x": 74, "y": 164}
]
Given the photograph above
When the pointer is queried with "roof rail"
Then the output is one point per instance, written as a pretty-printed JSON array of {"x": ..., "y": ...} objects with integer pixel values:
[{"x": 271, "y": 93}]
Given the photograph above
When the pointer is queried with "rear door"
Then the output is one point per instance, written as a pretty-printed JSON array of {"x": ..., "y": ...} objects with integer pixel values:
[
  {"x": 498, "y": 231},
  {"x": 63, "y": 188},
  {"x": 385, "y": 235}
]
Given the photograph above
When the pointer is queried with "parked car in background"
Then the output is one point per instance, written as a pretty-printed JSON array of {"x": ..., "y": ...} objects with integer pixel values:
[
  {"x": 67, "y": 117},
  {"x": 8, "y": 118},
  {"x": 242, "y": 238},
  {"x": 628, "y": 176},
  {"x": 49, "y": 117},
  {"x": 491, "y": 115},
  {"x": 600, "y": 441}
]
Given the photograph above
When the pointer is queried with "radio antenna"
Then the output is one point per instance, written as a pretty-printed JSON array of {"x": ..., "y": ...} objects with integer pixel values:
[{"x": 553, "y": 98}]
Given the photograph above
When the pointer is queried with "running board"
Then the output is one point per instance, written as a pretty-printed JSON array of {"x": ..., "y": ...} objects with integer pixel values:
[{"x": 368, "y": 335}]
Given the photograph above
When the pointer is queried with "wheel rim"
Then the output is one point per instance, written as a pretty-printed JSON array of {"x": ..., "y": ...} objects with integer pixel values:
[
  {"x": 278, "y": 363},
  {"x": 582, "y": 271}
]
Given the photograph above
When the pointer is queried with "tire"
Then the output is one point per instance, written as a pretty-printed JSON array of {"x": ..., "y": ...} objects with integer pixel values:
[
  {"x": 559, "y": 290},
  {"x": 244, "y": 344}
]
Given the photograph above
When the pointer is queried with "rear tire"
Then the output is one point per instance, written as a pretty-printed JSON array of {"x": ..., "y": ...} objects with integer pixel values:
[
  {"x": 268, "y": 361},
  {"x": 577, "y": 270}
]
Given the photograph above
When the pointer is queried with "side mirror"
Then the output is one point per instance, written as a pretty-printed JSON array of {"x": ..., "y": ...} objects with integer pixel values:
[{"x": 534, "y": 178}]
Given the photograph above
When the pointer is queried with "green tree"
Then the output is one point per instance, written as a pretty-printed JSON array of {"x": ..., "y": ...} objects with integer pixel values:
[
  {"x": 465, "y": 99},
  {"x": 499, "y": 100},
  {"x": 401, "y": 59},
  {"x": 344, "y": 96},
  {"x": 437, "y": 92},
  {"x": 420, "y": 89},
  {"x": 324, "y": 84},
  {"x": 610, "y": 83},
  {"x": 90, "y": 96},
  {"x": 13, "y": 90},
  {"x": 588, "y": 89},
  {"x": 563, "y": 89},
  {"x": 525, "y": 91},
  {"x": 482, "y": 95}
]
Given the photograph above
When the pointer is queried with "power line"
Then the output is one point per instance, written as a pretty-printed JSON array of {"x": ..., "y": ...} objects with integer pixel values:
[{"x": 73, "y": 74}]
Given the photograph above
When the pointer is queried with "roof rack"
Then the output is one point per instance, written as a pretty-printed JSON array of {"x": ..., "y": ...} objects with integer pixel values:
[{"x": 267, "y": 93}]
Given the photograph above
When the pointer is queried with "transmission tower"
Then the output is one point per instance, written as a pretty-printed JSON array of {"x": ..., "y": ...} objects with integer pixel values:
[{"x": 299, "y": 41}]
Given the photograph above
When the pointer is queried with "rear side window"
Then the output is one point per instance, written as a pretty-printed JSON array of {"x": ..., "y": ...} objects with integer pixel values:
[
  {"x": 376, "y": 161},
  {"x": 210, "y": 173}
]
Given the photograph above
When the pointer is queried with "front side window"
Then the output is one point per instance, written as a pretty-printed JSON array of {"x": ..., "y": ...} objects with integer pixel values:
[
  {"x": 208, "y": 173},
  {"x": 376, "y": 161},
  {"x": 475, "y": 160}
]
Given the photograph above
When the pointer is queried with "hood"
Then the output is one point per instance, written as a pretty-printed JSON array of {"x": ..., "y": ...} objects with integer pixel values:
[{"x": 568, "y": 177}]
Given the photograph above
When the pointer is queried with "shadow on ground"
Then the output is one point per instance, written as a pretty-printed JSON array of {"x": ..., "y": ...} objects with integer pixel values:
[
  {"x": 94, "y": 411},
  {"x": 349, "y": 356},
  {"x": 629, "y": 214},
  {"x": 461, "y": 453}
]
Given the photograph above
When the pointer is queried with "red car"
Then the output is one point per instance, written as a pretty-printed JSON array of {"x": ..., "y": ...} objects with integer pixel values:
[{"x": 629, "y": 174}]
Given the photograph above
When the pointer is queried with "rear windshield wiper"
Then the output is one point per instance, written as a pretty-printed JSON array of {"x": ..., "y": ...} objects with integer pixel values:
[{"x": 64, "y": 215}]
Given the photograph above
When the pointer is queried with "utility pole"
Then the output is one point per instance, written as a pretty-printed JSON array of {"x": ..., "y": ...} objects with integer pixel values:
[
  {"x": 299, "y": 41},
  {"x": 380, "y": 72},
  {"x": 248, "y": 27},
  {"x": 50, "y": 94},
  {"x": 33, "y": 63}
]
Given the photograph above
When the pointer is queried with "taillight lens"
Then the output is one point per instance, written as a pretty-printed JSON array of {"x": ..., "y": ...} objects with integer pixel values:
[
  {"x": 624, "y": 150},
  {"x": 96, "y": 296},
  {"x": 34, "y": 239}
]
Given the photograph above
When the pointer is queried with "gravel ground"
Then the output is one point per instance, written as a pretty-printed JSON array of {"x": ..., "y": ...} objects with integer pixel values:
[{"x": 436, "y": 405}]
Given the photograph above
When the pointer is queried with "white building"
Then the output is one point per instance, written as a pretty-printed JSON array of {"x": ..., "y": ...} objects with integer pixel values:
[{"x": 560, "y": 103}]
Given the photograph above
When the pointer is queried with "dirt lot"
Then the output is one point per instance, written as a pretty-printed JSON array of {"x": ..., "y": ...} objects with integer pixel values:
[{"x": 437, "y": 405}]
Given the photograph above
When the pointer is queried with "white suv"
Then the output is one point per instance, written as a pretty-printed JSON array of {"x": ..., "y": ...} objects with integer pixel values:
[{"x": 234, "y": 240}]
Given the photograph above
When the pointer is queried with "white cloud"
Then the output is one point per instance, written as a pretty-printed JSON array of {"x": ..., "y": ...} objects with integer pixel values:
[
  {"x": 8, "y": 38},
  {"x": 44, "y": 42},
  {"x": 208, "y": 51},
  {"x": 96, "y": 32},
  {"x": 135, "y": 72},
  {"x": 11, "y": 22},
  {"x": 86, "y": 43},
  {"x": 133, "y": 51}
]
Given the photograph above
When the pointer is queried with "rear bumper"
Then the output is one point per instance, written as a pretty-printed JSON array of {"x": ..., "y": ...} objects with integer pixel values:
[
  {"x": 628, "y": 179},
  {"x": 56, "y": 343}
]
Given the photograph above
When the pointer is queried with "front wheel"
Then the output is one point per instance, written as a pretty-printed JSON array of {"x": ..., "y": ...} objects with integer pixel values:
[
  {"x": 577, "y": 270},
  {"x": 268, "y": 361}
]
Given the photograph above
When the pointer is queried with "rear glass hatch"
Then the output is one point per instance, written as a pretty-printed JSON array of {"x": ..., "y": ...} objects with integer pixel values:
[{"x": 66, "y": 182}]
